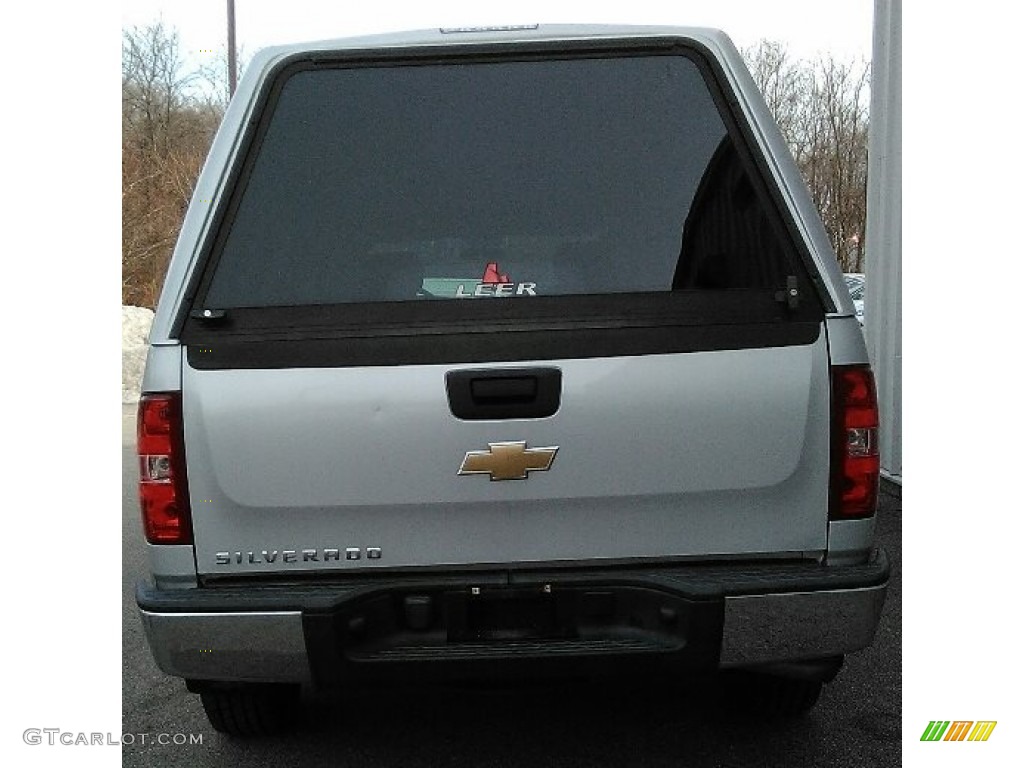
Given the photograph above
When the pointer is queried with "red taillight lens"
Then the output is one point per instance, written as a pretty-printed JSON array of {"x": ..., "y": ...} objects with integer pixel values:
[
  {"x": 163, "y": 487},
  {"x": 855, "y": 462}
]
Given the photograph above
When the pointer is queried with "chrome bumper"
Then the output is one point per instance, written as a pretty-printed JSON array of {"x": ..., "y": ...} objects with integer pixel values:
[
  {"x": 761, "y": 629},
  {"x": 201, "y": 634},
  {"x": 241, "y": 647}
]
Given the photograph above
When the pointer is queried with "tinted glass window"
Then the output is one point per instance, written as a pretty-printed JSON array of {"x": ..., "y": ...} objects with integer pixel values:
[{"x": 515, "y": 179}]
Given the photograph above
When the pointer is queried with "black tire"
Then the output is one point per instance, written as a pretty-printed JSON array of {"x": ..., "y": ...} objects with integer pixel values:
[
  {"x": 251, "y": 710},
  {"x": 768, "y": 696}
]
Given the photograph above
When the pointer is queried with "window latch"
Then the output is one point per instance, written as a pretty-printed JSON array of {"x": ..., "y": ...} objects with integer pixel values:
[
  {"x": 208, "y": 315},
  {"x": 791, "y": 295}
]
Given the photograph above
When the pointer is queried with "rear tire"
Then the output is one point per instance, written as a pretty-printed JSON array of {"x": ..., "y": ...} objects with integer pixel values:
[
  {"x": 251, "y": 710},
  {"x": 768, "y": 696}
]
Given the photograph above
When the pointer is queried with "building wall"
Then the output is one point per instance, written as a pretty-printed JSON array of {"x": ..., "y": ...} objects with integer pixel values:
[{"x": 883, "y": 313}]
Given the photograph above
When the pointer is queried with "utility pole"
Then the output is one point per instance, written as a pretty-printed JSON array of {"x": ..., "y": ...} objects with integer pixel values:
[{"x": 232, "y": 65}]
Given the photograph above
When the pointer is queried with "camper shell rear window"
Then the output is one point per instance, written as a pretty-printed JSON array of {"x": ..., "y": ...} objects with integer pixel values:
[{"x": 482, "y": 180}]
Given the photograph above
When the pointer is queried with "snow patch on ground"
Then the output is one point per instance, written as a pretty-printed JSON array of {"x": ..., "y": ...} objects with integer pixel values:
[{"x": 135, "y": 323}]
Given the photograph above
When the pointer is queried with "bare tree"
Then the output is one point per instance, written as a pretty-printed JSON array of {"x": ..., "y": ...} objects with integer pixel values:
[
  {"x": 837, "y": 166},
  {"x": 153, "y": 88},
  {"x": 783, "y": 82},
  {"x": 166, "y": 130},
  {"x": 215, "y": 79},
  {"x": 822, "y": 111}
]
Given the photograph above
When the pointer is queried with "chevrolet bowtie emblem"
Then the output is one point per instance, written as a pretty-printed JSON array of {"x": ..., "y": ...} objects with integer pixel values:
[{"x": 508, "y": 461}]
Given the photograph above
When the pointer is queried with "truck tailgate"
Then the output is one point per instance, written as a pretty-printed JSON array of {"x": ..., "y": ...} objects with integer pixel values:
[{"x": 699, "y": 454}]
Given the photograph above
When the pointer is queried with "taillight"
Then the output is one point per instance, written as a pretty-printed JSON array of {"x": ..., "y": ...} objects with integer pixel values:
[
  {"x": 163, "y": 487},
  {"x": 855, "y": 462}
]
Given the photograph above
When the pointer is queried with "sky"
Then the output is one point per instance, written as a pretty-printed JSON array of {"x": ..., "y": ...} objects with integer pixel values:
[{"x": 844, "y": 29}]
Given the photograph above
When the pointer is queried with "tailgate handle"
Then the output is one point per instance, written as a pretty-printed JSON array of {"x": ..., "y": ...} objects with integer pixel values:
[
  {"x": 504, "y": 393},
  {"x": 520, "y": 389}
]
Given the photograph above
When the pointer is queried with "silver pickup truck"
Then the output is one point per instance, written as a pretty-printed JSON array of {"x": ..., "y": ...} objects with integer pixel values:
[{"x": 506, "y": 350}]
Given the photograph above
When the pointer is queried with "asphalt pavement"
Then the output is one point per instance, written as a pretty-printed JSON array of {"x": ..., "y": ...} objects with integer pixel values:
[{"x": 640, "y": 723}]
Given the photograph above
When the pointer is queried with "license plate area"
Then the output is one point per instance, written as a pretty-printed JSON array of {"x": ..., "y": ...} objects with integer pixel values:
[{"x": 504, "y": 614}]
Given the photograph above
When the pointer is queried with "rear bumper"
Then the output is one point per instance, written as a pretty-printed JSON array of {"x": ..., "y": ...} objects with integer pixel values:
[{"x": 455, "y": 624}]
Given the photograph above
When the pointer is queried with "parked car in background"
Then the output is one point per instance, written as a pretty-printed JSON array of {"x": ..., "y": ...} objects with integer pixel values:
[{"x": 855, "y": 283}]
